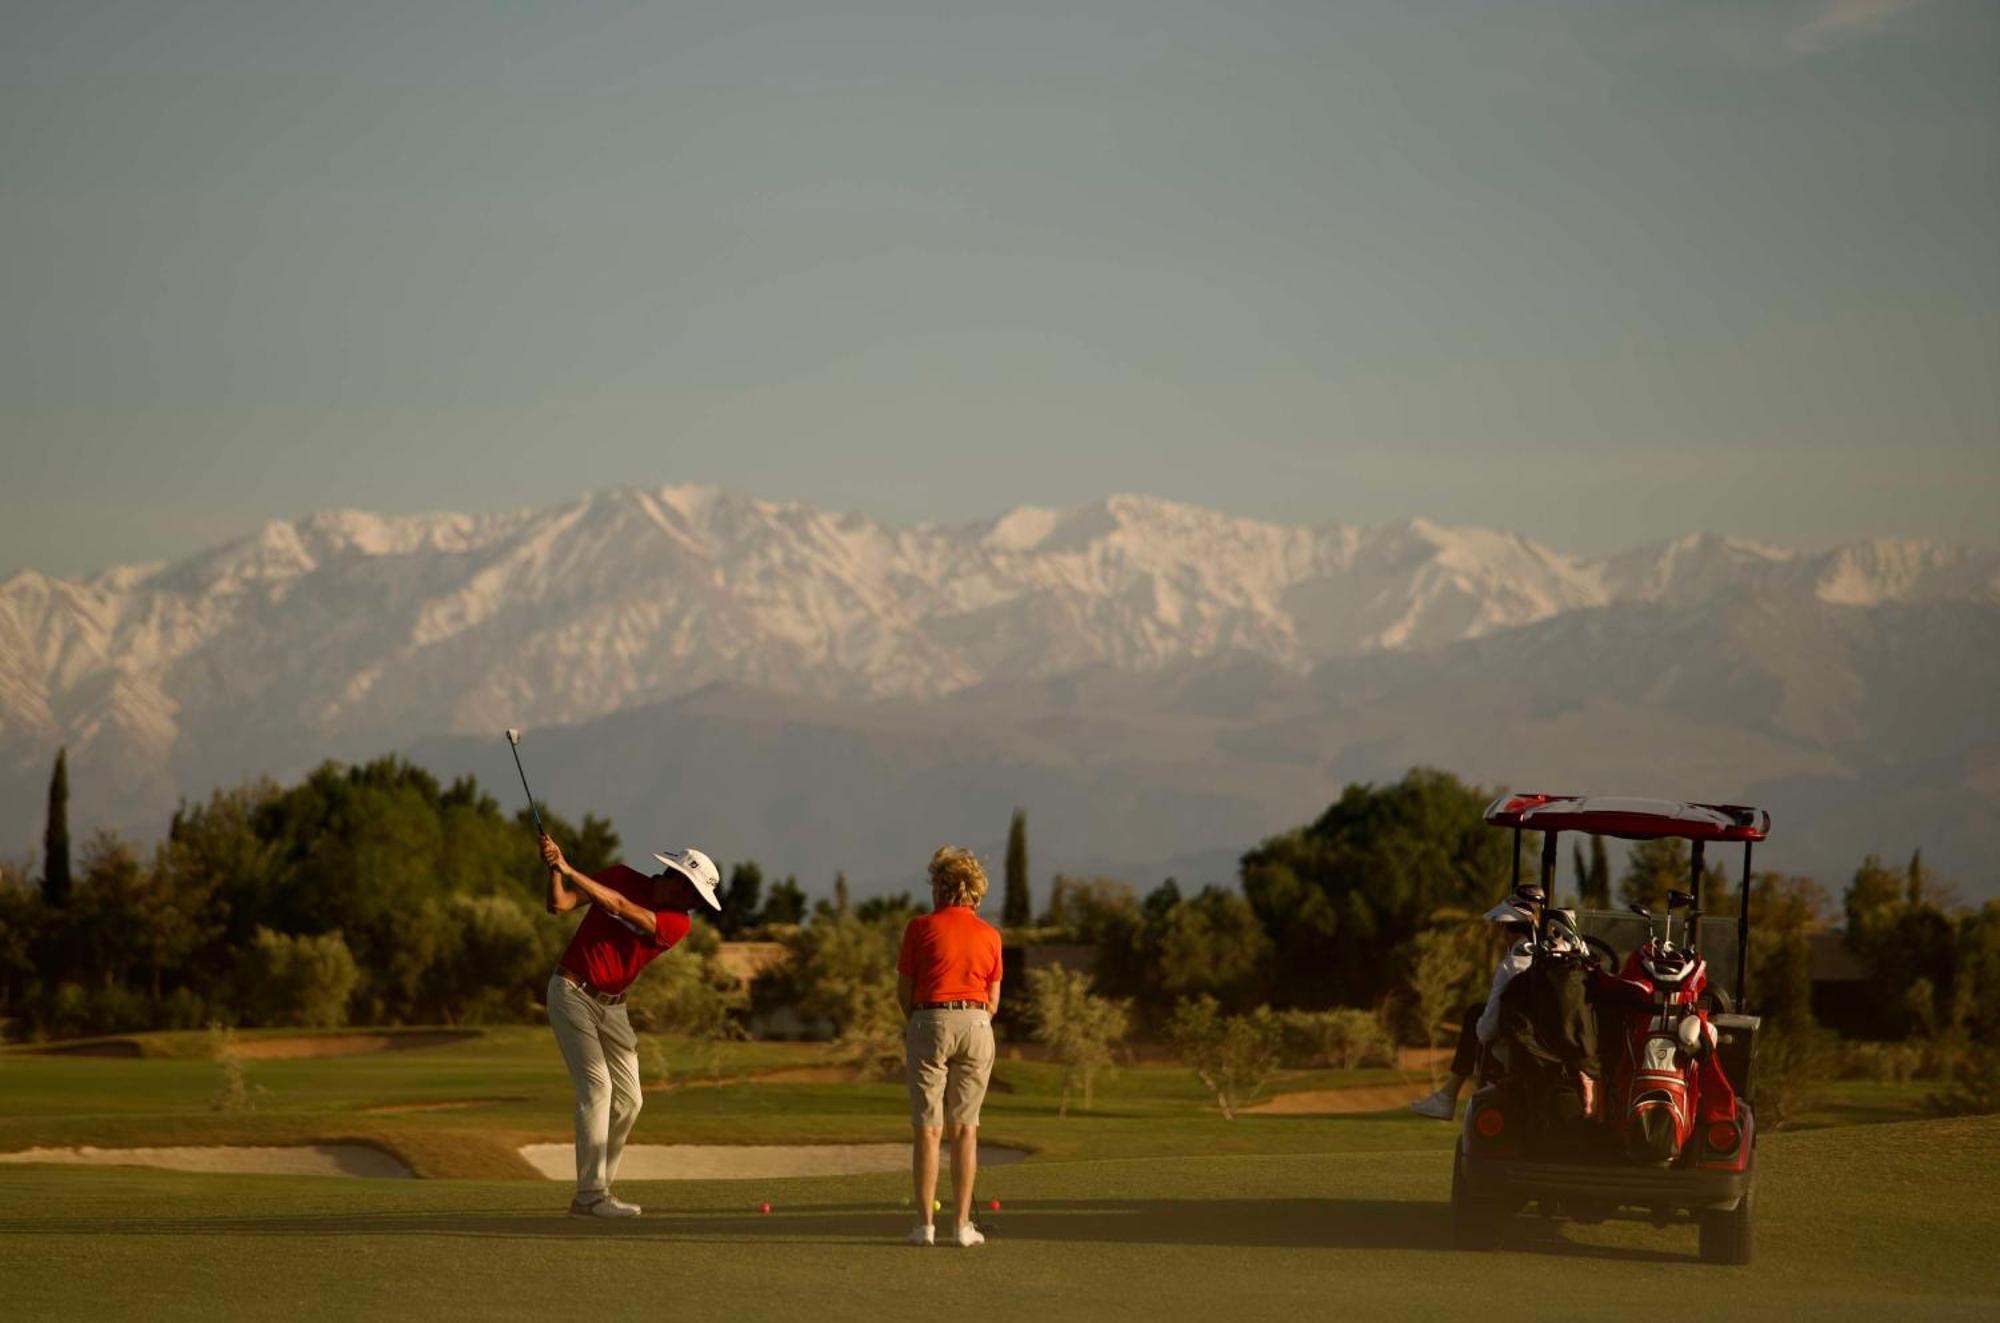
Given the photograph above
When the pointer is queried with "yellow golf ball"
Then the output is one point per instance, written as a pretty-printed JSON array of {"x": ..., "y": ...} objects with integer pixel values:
[{"x": 937, "y": 1205}]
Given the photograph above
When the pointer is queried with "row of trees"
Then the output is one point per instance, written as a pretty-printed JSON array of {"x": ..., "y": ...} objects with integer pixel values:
[
  {"x": 369, "y": 893},
  {"x": 376, "y": 894}
]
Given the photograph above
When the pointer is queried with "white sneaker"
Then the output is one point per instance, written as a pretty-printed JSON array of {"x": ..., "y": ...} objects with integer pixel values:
[
  {"x": 1439, "y": 1105},
  {"x": 968, "y": 1235},
  {"x": 602, "y": 1207},
  {"x": 922, "y": 1235}
]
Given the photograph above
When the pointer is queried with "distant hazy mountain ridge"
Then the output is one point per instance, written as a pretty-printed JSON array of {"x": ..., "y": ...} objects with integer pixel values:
[{"x": 345, "y": 633}]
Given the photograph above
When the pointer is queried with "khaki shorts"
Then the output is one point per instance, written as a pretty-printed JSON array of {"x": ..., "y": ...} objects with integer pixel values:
[{"x": 950, "y": 1059}]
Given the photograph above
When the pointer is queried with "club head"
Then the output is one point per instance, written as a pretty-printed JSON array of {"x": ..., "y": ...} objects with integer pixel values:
[
  {"x": 1679, "y": 900},
  {"x": 1641, "y": 911},
  {"x": 513, "y": 736}
]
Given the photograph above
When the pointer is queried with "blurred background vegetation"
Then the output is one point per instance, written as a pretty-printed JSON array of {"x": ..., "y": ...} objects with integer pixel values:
[{"x": 375, "y": 895}]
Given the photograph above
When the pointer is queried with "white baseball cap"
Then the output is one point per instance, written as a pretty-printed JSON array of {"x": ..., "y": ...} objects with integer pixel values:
[{"x": 697, "y": 868}]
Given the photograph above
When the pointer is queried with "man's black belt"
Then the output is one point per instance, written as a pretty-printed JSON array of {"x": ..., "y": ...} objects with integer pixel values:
[{"x": 949, "y": 1006}]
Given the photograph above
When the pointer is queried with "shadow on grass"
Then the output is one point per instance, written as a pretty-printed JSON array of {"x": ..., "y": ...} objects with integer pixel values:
[{"x": 1268, "y": 1223}]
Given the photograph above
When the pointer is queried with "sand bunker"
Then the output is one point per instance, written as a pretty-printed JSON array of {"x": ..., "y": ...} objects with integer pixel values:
[
  {"x": 742, "y": 1162},
  {"x": 291, "y": 1160}
]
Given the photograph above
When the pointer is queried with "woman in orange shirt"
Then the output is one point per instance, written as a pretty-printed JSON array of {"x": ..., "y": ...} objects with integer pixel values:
[{"x": 948, "y": 982}]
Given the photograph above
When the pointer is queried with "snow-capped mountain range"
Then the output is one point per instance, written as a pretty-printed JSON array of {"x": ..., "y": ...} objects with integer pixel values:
[{"x": 347, "y": 633}]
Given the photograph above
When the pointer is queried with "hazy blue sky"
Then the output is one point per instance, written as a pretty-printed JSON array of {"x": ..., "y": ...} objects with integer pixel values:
[{"x": 1596, "y": 271}]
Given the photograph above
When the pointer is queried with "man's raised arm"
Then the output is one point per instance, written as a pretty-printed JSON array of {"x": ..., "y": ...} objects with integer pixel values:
[
  {"x": 633, "y": 915},
  {"x": 561, "y": 900}
]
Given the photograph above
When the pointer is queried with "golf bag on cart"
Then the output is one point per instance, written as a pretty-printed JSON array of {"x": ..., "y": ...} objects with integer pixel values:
[
  {"x": 1547, "y": 1047},
  {"x": 1668, "y": 1077}
]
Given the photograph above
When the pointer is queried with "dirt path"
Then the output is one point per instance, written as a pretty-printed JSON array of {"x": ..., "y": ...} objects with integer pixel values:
[
  {"x": 1342, "y": 1102},
  {"x": 338, "y": 1045}
]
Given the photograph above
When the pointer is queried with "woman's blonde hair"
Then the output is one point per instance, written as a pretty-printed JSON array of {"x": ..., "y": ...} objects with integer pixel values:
[{"x": 956, "y": 877}]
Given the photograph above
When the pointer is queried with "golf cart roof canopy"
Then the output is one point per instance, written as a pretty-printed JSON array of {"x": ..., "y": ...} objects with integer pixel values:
[{"x": 1632, "y": 819}]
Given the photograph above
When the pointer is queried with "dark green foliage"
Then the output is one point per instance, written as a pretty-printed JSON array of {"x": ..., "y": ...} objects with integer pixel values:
[
  {"x": 1093, "y": 910},
  {"x": 1018, "y": 908},
  {"x": 1652, "y": 868},
  {"x": 1902, "y": 929},
  {"x": 1338, "y": 897},
  {"x": 742, "y": 900},
  {"x": 1786, "y": 911},
  {"x": 55, "y": 836},
  {"x": 1211, "y": 945},
  {"x": 1794, "y": 1054},
  {"x": 897, "y": 909},
  {"x": 786, "y": 903}
]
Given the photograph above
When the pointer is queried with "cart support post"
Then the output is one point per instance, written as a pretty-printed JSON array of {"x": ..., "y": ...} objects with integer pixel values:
[
  {"x": 1548, "y": 880},
  {"x": 1517, "y": 857},
  {"x": 1695, "y": 867},
  {"x": 1743, "y": 929}
]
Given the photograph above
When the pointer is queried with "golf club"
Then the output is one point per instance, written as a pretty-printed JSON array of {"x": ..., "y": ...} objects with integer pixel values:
[{"x": 514, "y": 743}]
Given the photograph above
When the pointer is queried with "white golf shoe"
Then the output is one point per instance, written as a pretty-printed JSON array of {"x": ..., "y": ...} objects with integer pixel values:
[
  {"x": 922, "y": 1235},
  {"x": 968, "y": 1235},
  {"x": 606, "y": 1207},
  {"x": 1438, "y": 1105}
]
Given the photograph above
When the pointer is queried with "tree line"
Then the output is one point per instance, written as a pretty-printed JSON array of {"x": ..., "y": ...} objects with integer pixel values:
[{"x": 376, "y": 894}]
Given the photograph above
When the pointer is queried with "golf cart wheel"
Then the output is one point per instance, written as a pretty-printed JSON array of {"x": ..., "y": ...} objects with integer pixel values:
[
  {"x": 1726, "y": 1236},
  {"x": 1474, "y": 1225}
]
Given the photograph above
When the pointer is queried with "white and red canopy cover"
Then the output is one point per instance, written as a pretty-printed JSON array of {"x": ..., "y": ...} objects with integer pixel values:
[{"x": 1632, "y": 819}]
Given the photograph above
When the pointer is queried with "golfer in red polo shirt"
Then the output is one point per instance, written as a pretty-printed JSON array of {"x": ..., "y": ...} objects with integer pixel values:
[{"x": 632, "y": 919}]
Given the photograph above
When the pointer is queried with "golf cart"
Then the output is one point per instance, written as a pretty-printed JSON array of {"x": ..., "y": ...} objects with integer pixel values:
[{"x": 1671, "y": 1134}]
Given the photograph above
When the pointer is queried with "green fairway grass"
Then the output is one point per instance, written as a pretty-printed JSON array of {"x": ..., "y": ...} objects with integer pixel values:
[{"x": 1151, "y": 1206}]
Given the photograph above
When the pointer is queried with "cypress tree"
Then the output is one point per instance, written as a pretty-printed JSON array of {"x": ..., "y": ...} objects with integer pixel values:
[
  {"x": 1018, "y": 909},
  {"x": 1597, "y": 893},
  {"x": 55, "y": 837}
]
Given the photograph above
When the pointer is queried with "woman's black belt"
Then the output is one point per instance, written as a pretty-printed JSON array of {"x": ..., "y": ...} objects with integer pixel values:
[{"x": 950, "y": 1006}]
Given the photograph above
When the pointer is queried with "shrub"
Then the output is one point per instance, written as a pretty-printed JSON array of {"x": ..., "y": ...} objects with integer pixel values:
[
  {"x": 1234, "y": 1056},
  {"x": 687, "y": 994},
  {"x": 1080, "y": 1029},
  {"x": 1793, "y": 1062},
  {"x": 232, "y": 1087},
  {"x": 1445, "y": 975},
  {"x": 496, "y": 962},
  {"x": 1343, "y": 1038},
  {"x": 1883, "y": 1063},
  {"x": 298, "y": 980},
  {"x": 843, "y": 971},
  {"x": 1973, "y": 1088}
]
